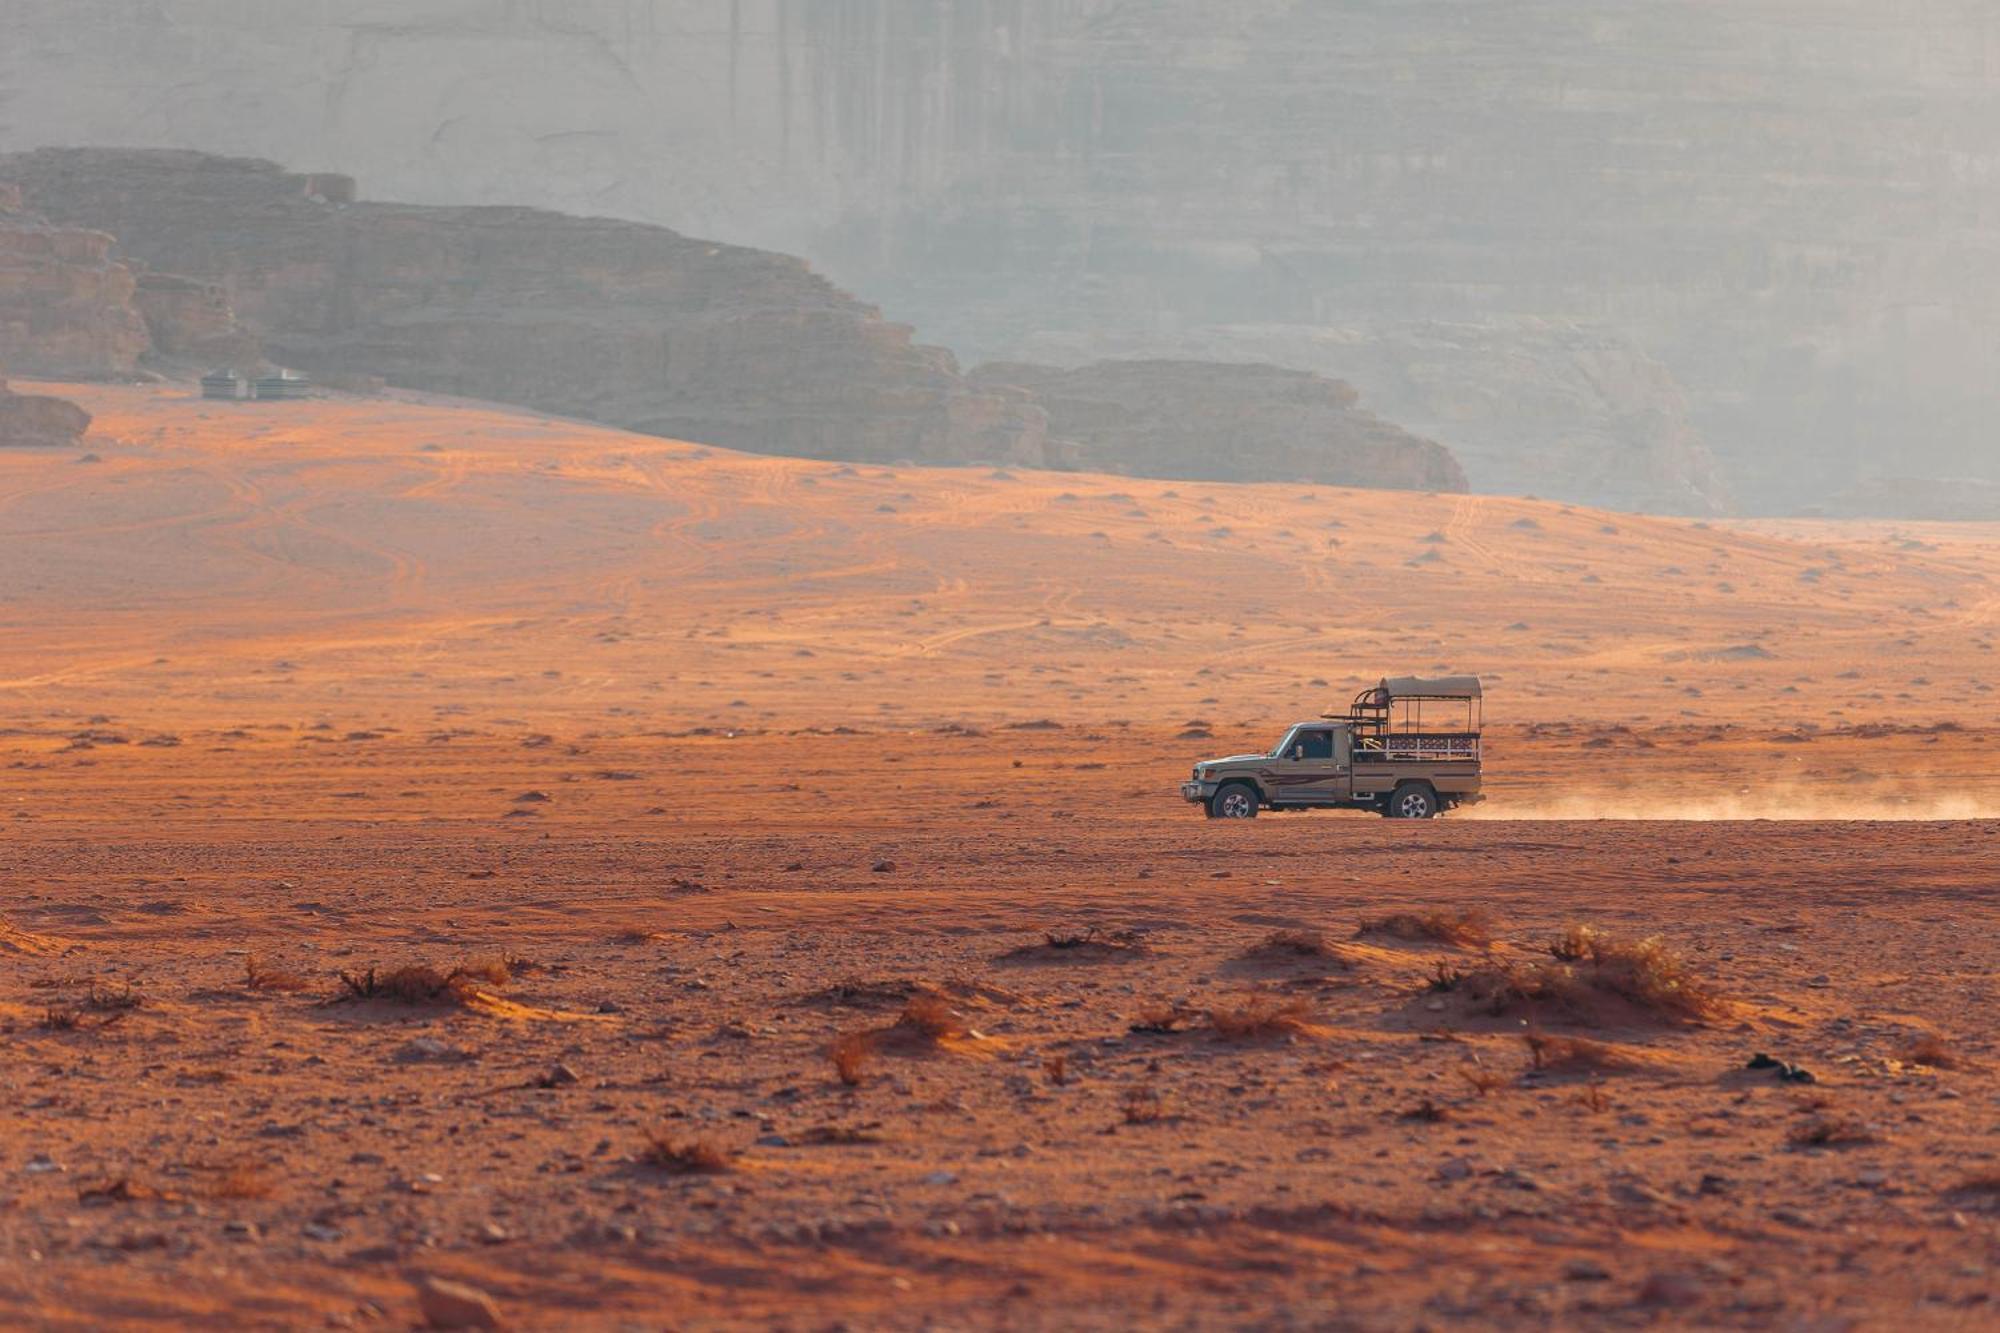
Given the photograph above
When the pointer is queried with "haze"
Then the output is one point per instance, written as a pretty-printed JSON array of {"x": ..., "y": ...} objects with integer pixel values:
[{"x": 643, "y": 649}]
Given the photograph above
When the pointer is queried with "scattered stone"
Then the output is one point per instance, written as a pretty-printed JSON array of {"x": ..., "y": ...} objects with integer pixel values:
[
  {"x": 883, "y": 867},
  {"x": 1585, "y": 1270},
  {"x": 448, "y": 1304}
]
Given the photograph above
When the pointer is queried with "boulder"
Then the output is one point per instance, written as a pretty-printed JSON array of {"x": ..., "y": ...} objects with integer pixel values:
[{"x": 38, "y": 422}]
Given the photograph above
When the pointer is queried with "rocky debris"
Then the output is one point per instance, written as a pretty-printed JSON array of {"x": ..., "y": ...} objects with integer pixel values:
[
  {"x": 1223, "y": 422},
  {"x": 448, "y": 1304},
  {"x": 36, "y": 421},
  {"x": 605, "y": 320}
]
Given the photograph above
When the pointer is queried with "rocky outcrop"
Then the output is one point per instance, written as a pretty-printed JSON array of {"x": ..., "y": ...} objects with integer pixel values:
[
  {"x": 1535, "y": 408},
  {"x": 1784, "y": 207},
  {"x": 1221, "y": 422},
  {"x": 190, "y": 321},
  {"x": 66, "y": 306},
  {"x": 611, "y": 321},
  {"x": 35, "y": 421}
]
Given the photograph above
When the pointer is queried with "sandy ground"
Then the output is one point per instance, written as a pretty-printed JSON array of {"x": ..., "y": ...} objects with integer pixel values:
[{"x": 702, "y": 763}]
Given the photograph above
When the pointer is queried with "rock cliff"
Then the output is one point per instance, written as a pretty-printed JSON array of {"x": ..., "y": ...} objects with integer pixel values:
[
  {"x": 1779, "y": 214},
  {"x": 1224, "y": 422},
  {"x": 66, "y": 306},
  {"x": 610, "y": 321}
]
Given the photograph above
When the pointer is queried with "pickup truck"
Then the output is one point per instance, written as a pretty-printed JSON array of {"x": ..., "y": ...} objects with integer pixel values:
[{"x": 1382, "y": 754}]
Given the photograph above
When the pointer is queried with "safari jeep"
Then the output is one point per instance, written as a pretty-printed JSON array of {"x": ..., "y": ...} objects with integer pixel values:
[{"x": 1382, "y": 754}]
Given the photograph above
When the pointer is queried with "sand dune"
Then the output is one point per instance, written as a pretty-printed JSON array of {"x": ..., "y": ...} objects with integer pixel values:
[{"x": 698, "y": 763}]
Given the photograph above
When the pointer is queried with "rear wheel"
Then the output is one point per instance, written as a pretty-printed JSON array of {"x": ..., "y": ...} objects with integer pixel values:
[
  {"x": 1235, "y": 801},
  {"x": 1416, "y": 801}
]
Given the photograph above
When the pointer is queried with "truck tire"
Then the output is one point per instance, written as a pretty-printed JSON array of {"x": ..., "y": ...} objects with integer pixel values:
[
  {"x": 1237, "y": 800},
  {"x": 1414, "y": 800}
]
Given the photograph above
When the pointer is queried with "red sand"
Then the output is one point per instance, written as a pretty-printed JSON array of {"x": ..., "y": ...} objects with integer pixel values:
[{"x": 276, "y": 680}]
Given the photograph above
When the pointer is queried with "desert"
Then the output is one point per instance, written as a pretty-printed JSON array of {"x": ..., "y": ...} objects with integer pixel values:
[{"x": 469, "y": 866}]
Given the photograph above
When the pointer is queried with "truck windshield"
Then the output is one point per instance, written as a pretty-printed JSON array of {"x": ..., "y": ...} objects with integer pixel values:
[{"x": 1285, "y": 743}]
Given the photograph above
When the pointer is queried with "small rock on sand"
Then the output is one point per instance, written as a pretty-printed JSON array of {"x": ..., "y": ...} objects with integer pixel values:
[{"x": 448, "y": 1304}]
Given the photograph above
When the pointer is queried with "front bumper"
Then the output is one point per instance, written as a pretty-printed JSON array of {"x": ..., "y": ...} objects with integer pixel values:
[{"x": 1197, "y": 791}]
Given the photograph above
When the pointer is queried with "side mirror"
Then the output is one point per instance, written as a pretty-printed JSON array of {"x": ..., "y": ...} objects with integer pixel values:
[{"x": 1298, "y": 752}]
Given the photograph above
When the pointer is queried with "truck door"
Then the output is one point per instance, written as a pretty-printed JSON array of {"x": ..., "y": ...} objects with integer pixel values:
[{"x": 1314, "y": 770}]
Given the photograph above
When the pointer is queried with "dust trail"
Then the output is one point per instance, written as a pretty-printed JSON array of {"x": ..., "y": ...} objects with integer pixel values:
[{"x": 1881, "y": 802}]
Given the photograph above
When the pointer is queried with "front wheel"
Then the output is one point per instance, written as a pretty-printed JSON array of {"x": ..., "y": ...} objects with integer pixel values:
[
  {"x": 1414, "y": 802},
  {"x": 1235, "y": 801}
]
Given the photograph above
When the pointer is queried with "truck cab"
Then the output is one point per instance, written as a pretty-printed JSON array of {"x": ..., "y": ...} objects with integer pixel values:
[{"x": 1383, "y": 754}]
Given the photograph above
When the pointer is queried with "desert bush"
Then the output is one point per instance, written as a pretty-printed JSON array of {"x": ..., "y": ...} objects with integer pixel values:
[
  {"x": 1293, "y": 944},
  {"x": 1562, "y": 1055},
  {"x": 1445, "y": 976},
  {"x": 849, "y": 1054},
  {"x": 1591, "y": 1098},
  {"x": 1055, "y": 1069},
  {"x": 1481, "y": 1079},
  {"x": 1426, "y": 1111},
  {"x": 1262, "y": 1016},
  {"x": 59, "y": 1018},
  {"x": 1162, "y": 1018},
  {"x": 1832, "y": 1132},
  {"x": 258, "y": 977},
  {"x": 931, "y": 1017},
  {"x": 1934, "y": 1051},
  {"x": 104, "y": 1000},
  {"x": 1142, "y": 1106},
  {"x": 690, "y": 1157},
  {"x": 1585, "y": 968},
  {"x": 1079, "y": 945},
  {"x": 421, "y": 983},
  {"x": 1469, "y": 928}
]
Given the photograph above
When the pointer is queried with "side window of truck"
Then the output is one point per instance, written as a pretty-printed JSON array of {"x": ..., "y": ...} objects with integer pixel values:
[{"x": 1317, "y": 744}]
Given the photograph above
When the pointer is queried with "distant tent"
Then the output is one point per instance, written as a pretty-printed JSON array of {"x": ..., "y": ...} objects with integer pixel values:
[
  {"x": 224, "y": 384},
  {"x": 285, "y": 385}
]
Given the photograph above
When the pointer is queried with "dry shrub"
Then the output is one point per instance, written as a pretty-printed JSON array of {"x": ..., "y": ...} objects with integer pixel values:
[
  {"x": 1832, "y": 1132},
  {"x": 1569, "y": 1055},
  {"x": 1588, "y": 967},
  {"x": 1591, "y": 1098},
  {"x": 1481, "y": 1079},
  {"x": 1935, "y": 1052},
  {"x": 842, "y": 1134},
  {"x": 849, "y": 1053},
  {"x": 59, "y": 1018},
  {"x": 1445, "y": 976},
  {"x": 1091, "y": 944},
  {"x": 1469, "y": 928},
  {"x": 1987, "y": 1183},
  {"x": 1143, "y": 1106},
  {"x": 240, "y": 1182},
  {"x": 1161, "y": 1019},
  {"x": 258, "y": 977},
  {"x": 420, "y": 983},
  {"x": 1055, "y": 1069},
  {"x": 1262, "y": 1016},
  {"x": 124, "y": 1190},
  {"x": 103, "y": 1000},
  {"x": 1293, "y": 944},
  {"x": 931, "y": 1017},
  {"x": 1427, "y": 1111},
  {"x": 694, "y": 1157},
  {"x": 637, "y": 936}
]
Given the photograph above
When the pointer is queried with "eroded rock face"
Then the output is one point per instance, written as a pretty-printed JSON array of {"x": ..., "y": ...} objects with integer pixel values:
[
  {"x": 66, "y": 306},
  {"x": 35, "y": 421},
  {"x": 1213, "y": 421},
  {"x": 1785, "y": 206},
  {"x": 611, "y": 321}
]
